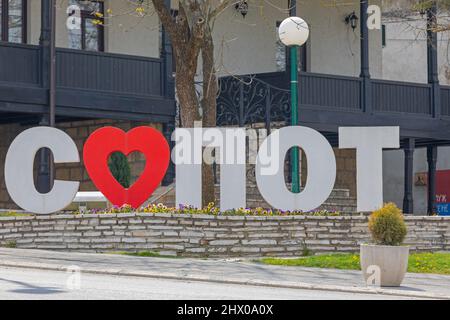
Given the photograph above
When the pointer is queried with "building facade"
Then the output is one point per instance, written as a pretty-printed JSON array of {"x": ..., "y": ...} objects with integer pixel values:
[{"x": 116, "y": 68}]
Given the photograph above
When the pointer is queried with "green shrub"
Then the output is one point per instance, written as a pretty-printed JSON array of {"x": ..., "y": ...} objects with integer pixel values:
[
  {"x": 120, "y": 169},
  {"x": 387, "y": 226}
]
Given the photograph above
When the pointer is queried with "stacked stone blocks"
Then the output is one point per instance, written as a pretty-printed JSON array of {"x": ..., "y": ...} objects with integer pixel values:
[{"x": 210, "y": 236}]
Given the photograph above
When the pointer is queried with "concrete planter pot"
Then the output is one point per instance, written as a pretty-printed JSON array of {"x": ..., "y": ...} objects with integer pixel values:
[{"x": 392, "y": 263}]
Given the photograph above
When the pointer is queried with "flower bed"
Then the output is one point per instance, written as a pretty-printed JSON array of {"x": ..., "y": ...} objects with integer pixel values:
[{"x": 211, "y": 209}]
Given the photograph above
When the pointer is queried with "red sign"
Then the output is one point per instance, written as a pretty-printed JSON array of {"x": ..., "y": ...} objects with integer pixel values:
[
  {"x": 443, "y": 192},
  {"x": 105, "y": 141}
]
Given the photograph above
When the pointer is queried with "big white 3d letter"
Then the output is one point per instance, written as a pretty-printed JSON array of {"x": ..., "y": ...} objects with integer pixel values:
[
  {"x": 321, "y": 169},
  {"x": 19, "y": 170},
  {"x": 230, "y": 143},
  {"x": 187, "y": 155},
  {"x": 369, "y": 143}
]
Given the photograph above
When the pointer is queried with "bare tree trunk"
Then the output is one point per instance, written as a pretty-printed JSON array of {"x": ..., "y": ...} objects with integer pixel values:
[
  {"x": 187, "y": 97},
  {"x": 209, "y": 103},
  {"x": 191, "y": 35}
]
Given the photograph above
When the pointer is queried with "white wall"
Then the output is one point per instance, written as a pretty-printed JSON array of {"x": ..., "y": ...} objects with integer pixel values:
[
  {"x": 405, "y": 54},
  {"x": 334, "y": 46},
  {"x": 249, "y": 45},
  {"x": 131, "y": 33}
]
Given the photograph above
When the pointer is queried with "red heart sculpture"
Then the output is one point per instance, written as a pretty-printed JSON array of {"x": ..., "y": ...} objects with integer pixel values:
[{"x": 105, "y": 141}]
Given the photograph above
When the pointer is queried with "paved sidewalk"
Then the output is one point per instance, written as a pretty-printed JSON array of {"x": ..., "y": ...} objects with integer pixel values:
[{"x": 223, "y": 271}]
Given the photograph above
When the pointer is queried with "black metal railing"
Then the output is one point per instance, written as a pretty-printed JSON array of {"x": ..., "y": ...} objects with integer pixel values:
[
  {"x": 108, "y": 72},
  {"x": 404, "y": 97},
  {"x": 249, "y": 99},
  {"x": 445, "y": 101},
  {"x": 76, "y": 69},
  {"x": 246, "y": 100},
  {"x": 19, "y": 64},
  {"x": 329, "y": 91}
]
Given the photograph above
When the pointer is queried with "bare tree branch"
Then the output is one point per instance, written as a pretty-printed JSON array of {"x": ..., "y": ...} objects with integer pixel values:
[{"x": 166, "y": 18}]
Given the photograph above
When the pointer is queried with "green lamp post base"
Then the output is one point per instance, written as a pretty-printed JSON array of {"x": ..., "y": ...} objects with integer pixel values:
[{"x": 295, "y": 153}]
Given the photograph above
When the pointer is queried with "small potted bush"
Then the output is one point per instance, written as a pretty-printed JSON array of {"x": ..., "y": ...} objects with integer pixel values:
[{"x": 387, "y": 256}]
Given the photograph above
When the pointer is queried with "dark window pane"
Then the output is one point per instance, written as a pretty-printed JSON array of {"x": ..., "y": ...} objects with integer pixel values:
[
  {"x": 91, "y": 35},
  {"x": 15, "y": 23}
]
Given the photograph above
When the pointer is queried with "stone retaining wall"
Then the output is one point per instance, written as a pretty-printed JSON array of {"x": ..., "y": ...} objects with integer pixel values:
[{"x": 209, "y": 236}]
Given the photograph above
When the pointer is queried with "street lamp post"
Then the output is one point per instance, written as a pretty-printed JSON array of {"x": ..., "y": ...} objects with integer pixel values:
[{"x": 294, "y": 32}]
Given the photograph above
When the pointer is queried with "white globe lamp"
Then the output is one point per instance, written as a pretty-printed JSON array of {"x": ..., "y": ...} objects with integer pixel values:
[{"x": 293, "y": 31}]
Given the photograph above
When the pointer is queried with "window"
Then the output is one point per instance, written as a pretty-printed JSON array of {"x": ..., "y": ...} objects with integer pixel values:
[
  {"x": 90, "y": 35},
  {"x": 13, "y": 20},
  {"x": 280, "y": 52}
]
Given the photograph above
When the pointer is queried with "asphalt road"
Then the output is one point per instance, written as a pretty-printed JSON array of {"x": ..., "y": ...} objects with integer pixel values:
[{"x": 29, "y": 284}]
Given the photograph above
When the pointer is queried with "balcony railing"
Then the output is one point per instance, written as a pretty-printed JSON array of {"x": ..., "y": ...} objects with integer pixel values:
[
  {"x": 404, "y": 97},
  {"x": 246, "y": 100},
  {"x": 19, "y": 64},
  {"x": 445, "y": 101},
  {"x": 108, "y": 72},
  {"x": 265, "y": 97},
  {"x": 331, "y": 92},
  {"x": 89, "y": 84},
  {"x": 84, "y": 70}
]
